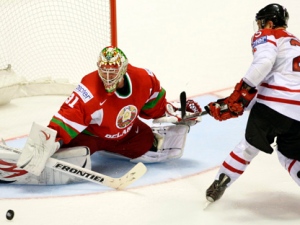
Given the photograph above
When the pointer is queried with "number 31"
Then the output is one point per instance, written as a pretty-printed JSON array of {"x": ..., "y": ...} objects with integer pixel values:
[{"x": 71, "y": 101}]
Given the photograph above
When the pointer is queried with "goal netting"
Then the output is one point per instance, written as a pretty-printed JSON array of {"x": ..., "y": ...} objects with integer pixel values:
[{"x": 47, "y": 46}]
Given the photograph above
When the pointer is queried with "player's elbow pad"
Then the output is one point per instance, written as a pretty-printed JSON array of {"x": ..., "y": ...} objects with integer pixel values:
[{"x": 261, "y": 66}]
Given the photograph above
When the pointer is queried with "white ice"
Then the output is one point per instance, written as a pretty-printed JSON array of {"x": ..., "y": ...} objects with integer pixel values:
[{"x": 202, "y": 47}]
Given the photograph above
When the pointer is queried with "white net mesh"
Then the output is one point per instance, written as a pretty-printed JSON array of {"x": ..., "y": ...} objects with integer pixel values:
[{"x": 52, "y": 39}]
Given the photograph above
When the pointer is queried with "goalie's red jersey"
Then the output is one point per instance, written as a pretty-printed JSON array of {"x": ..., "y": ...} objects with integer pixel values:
[{"x": 90, "y": 110}]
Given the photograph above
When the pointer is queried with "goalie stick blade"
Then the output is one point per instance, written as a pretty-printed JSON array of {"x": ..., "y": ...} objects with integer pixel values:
[
  {"x": 133, "y": 175},
  {"x": 183, "y": 104}
]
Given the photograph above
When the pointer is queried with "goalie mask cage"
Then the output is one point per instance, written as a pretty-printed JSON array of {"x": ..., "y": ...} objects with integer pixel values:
[{"x": 47, "y": 46}]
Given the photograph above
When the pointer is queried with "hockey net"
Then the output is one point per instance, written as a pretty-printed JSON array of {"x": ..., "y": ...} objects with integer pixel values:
[{"x": 47, "y": 46}]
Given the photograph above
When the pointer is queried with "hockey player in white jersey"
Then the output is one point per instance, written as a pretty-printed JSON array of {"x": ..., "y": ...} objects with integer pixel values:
[{"x": 273, "y": 80}]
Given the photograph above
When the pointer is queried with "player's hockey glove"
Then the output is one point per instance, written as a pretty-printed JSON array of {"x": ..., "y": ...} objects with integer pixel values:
[
  {"x": 234, "y": 105},
  {"x": 173, "y": 113}
]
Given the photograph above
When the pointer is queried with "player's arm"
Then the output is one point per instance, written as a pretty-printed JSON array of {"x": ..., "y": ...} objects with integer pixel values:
[
  {"x": 72, "y": 118},
  {"x": 157, "y": 105},
  {"x": 264, "y": 50}
]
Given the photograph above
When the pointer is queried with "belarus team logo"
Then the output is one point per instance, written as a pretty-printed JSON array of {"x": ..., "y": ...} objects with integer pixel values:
[{"x": 126, "y": 116}]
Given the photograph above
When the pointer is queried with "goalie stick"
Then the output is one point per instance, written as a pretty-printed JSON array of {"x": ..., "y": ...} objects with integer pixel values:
[
  {"x": 118, "y": 183},
  {"x": 185, "y": 118},
  {"x": 203, "y": 113},
  {"x": 195, "y": 115},
  {"x": 183, "y": 104}
]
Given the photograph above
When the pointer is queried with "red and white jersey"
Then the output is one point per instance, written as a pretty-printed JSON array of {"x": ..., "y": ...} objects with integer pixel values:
[
  {"x": 275, "y": 71},
  {"x": 89, "y": 109}
]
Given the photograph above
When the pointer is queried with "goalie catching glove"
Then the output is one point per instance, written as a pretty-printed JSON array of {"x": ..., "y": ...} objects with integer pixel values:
[
  {"x": 173, "y": 113},
  {"x": 234, "y": 105}
]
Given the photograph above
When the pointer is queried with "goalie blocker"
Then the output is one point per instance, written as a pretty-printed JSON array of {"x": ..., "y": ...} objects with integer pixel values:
[{"x": 11, "y": 174}]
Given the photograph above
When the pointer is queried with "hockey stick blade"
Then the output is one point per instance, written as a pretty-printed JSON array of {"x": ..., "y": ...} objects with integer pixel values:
[
  {"x": 183, "y": 104},
  {"x": 134, "y": 174},
  {"x": 117, "y": 183}
]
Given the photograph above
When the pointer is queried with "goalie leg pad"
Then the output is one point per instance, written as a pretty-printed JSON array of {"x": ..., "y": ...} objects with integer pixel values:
[
  {"x": 11, "y": 174},
  {"x": 171, "y": 141}
]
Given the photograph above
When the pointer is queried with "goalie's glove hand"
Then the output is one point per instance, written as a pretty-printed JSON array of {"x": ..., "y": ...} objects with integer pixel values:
[
  {"x": 234, "y": 105},
  {"x": 173, "y": 113},
  {"x": 193, "y": 107}
]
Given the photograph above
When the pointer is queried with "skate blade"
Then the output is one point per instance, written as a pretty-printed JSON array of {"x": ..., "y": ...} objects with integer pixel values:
[{"x": 207, "y": 203}]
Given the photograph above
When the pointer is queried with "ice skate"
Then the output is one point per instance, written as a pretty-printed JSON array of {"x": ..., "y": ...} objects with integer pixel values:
[{"x": 217, "y": 188}]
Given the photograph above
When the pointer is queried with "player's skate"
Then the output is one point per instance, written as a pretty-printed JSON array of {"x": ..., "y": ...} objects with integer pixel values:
[{"x": 217, "y": 188}]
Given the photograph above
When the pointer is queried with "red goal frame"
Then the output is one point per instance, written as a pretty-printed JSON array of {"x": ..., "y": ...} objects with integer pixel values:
[{"x": 113, "y": 21}]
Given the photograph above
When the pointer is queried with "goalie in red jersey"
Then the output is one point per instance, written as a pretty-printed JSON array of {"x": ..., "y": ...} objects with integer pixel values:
[{"x": 103, "y": 113}]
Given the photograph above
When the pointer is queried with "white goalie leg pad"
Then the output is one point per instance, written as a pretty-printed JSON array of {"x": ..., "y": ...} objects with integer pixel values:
[
  {"x": 111, "y": 155},
  {"x": 40, "y": 145},
  {"x": 11, "y": 174},
  {"x": 171, "y": 142}
]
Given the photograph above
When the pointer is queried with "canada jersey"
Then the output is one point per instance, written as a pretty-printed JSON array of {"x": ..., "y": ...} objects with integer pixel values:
[
  {"x": 90, "y": 110},
  {"x": 275, "y": 70}
]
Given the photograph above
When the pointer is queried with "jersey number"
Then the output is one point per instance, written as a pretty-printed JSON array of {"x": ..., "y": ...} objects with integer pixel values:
[
  {"x": 71, "y": 101},
  {"x": 296, "y": 60}
]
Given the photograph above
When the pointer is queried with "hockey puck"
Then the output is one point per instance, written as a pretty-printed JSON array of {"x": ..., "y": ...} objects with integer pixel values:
[
  {"x": 10, "y": 214},
  {"x": 298, "y": 174}
]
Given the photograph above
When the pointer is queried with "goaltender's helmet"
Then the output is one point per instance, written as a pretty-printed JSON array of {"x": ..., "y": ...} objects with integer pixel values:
[
  {"x": 274, "y": 12},
  {"x": 112, "y": 66}
]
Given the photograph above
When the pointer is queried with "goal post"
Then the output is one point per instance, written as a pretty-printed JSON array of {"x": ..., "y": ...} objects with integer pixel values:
[
  {"x": 47, "y": 46},
  {"x": 113, "y": 22}
]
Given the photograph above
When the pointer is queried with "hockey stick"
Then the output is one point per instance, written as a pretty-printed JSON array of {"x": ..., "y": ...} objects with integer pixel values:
[
  {"x": 223, "y": 108},
  {"x": 118, "y": 183},
  {"x": 183, "y": 104},
  {"x": 185, "y": 117},
  {"x": 203, "y": 113}
]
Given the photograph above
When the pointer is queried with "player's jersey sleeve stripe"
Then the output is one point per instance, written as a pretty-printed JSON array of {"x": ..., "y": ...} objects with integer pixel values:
[
  {"x": 153, "y": 96},
  {"x": 272, "y": 42},
  {"x": 152, "y": 103},
  {"x": 76, "y": 126},
  {"x": 71, "y": 132},
  {"x": 274, "y": 99},
  {"x": 279, "y": 88}
]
